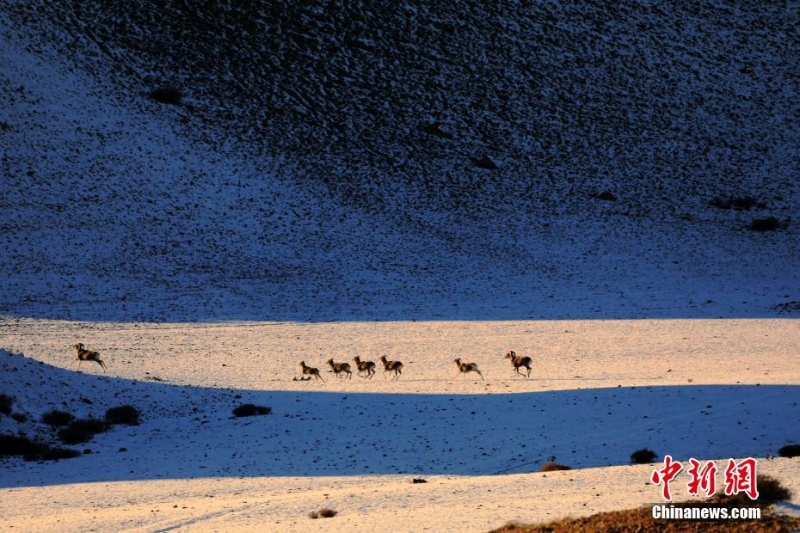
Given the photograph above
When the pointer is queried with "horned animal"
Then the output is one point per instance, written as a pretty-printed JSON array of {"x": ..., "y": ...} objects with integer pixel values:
[
  {"x": 518, "y": 361},
  {"x": 82, "y": 354},
  {"x": 310, "y": 370},
  {"x": 391, "y": 366},
  {"x": 366, "y": 369},
  {"x": 466, "y": 368},
  {"x": 339, "y": 368}
]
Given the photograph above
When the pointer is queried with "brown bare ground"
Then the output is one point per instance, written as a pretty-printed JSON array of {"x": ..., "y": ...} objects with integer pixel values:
[{"x": 641, "y": 521}]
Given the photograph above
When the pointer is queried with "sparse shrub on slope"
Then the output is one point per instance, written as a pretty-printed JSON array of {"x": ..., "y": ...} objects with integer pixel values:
[
  {"x": 250, "y": 409},
  {"x": 768, "y": 224},
  {"x": 485, "y": 162},
  {"x": 82, "y": 430},
  {"x": 643, "y": 456},
  {"x": 552, "y": 466},
  {"x": 606, "y": 196},
  {"x": 70, "y": 435},
  {"x": 57, "y": 418},
  {"x": 790, "y": 450},
  {"x": 30, "y": 450},
  {"x": 124, "y": 414},
  {"x": 167, "y": 95},
  {"x": 739, "y": 203},
  {"x": 771, "y": 491},
  {"x": 91, "y": 425},
  {"x": 53, "y": 453},
  {"x": 15, "y": 445},
  {"x": 71, "y": 431},
  {"x": 6, "y": 402}
]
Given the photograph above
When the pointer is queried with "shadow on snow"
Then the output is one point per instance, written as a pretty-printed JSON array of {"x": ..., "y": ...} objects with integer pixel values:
[{"x": 190, "y": 432}]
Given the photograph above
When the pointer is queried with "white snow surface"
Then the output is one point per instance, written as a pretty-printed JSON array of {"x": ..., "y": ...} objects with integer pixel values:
[
  {"x": 203, "y": 276},
  {"x": 599, "y": 390}
]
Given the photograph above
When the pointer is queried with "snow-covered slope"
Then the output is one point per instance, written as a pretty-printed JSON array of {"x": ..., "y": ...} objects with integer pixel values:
[
  {"x": 302, "y": 179},
  {"x": 600, "y": 390},
  {"x": 709, "y": 388}
]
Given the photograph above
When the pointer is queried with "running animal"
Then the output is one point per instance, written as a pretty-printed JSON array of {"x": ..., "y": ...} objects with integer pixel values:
[
  {"x": 391, "y": 366},
  {"x": 82, "y": 354},
  {"x": 466, "y": 368},
  {"x": 338, "y": 368},
  {"x": 366, "y": 369},
  {"x": 519, "y": 361},
  {"x": 310, "y": 370}
]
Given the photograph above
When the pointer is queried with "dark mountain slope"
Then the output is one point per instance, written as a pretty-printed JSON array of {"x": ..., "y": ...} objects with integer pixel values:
[
  {"x": 391, "y": 110},
  {"x": 641, "y": 95}
]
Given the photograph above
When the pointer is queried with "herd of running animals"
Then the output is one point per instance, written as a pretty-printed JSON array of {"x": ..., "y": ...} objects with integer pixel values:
[{"x": 366, "y": 369}]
